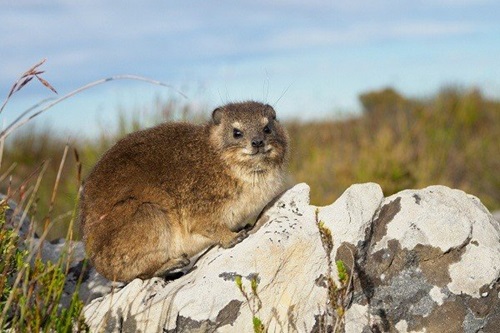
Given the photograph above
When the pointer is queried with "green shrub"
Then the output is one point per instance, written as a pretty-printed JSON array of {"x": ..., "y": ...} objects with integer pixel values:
[{"x": 30, "y": 295}]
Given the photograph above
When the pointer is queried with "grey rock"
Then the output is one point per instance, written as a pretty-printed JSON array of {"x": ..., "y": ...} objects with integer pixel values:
[
  {"x": 92, "y": 284},
  {"x": 421, "y": 256},
  {"x": 431, "y": 255},
  {"x": 496, "y": 215},
  {"x": 420, "y": 260},
  {"x": 15, "y": 218}
]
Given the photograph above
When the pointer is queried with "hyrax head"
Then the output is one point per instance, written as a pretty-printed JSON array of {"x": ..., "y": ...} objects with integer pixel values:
[{"x": 249, "y": 134}]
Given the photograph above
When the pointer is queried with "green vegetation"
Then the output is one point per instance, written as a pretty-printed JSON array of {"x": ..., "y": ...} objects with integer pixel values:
[
  {"x": 253, "y": 301},
  {"x": 32, "y": 290},
  {"x": 333, "y": 320},
  {"x": 30, "y": 295}
]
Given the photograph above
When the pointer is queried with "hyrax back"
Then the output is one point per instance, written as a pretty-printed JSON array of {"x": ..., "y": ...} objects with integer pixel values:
[{"x": 161, "y": 195}]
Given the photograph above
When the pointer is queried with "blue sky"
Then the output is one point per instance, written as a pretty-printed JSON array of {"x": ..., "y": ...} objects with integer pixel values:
[{"x": 315, "y": 56}]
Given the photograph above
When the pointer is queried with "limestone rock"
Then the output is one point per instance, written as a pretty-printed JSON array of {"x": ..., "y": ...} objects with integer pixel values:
[
  {"x": 431, "y": 262},
  {"x": 417, "y": 261},
  {"x": 424, "y": 260},
  {"x": 283, "y": 256},
  {"x": 15, "y": 218},
  {"x": 496, "y": 215}
]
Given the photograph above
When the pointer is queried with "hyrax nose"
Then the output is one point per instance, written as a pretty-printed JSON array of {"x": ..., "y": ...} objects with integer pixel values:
[{"x": 257, "y": 143}]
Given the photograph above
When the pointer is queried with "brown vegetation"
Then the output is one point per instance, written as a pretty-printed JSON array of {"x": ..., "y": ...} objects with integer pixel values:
[{"x": 450, "y": 139}]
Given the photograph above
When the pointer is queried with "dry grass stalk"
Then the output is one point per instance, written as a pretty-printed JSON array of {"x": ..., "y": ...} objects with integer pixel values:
[
  {"x": 25, "y": 78},
  {"x": 34, "y": 72}
]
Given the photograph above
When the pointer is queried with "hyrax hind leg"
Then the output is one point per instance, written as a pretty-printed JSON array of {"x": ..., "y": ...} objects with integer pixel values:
[
  {"x": 143, "y": 244},
  {"x": 172, "y": 265}
]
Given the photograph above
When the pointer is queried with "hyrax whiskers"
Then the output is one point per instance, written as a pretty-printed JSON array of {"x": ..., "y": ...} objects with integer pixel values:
[{"x": 163, "y": 194}]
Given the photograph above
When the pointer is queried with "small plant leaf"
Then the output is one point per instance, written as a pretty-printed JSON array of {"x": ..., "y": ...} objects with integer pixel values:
[
  {"x": 342, "y": 271},
  {"x": 254, "y": 284},
  {"x": 258, "y": 327},
  {"x": 238, "y": 281}
]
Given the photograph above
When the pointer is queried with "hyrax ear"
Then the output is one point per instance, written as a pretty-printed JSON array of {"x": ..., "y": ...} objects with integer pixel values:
[
  {"x": 217, "y": 116},
  {"x": 270, "y": 112}
]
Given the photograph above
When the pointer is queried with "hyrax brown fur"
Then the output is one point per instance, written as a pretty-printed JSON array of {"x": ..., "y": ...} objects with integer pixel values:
[{"x": 163, "y": 194}]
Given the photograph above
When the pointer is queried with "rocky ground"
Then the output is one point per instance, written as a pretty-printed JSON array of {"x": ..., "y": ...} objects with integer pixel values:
[{"x": 419, "y": 260}]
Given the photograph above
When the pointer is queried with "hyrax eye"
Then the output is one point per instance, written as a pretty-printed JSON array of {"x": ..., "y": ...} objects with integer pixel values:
[
  {"x": 237, "y": 134},
  {"x": 267, "y": 130}
]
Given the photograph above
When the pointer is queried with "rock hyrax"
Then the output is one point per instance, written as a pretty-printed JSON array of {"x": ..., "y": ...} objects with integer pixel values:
[{"x": 161, "y": 195}]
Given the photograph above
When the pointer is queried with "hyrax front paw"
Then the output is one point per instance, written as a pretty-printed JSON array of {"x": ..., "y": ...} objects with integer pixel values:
[{"x": 232, "y": 242}]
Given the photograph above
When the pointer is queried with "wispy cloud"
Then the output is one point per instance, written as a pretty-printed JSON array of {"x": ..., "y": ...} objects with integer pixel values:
[
  {"x": 201, "y": 41},
  {"x": 373, "y": 32}
]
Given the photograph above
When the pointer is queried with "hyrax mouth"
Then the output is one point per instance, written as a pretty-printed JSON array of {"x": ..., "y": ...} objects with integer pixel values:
[{"x": 257, "y": 151}]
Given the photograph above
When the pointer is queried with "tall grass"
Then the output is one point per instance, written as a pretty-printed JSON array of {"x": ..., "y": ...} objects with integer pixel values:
[
  {"x": 449, "y": 139},
  {"x": 36, "y": 171},
  {"x": 30, "y": 295}
]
